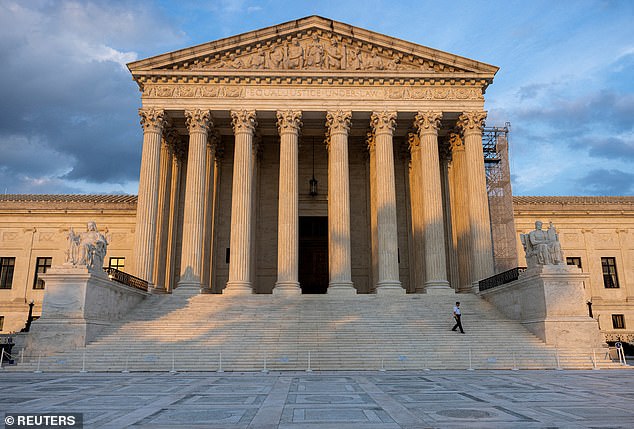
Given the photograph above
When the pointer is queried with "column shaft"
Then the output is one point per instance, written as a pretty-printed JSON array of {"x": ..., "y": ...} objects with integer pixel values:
[
  {"x": 383, "y": 124},
  {"x": 152, "y": 121},
  {"x": 374, "y": 237},
  {"x": 460, "y": 212},
  {"x": 435, "y": 256},
  {"x": 289, "y": 123},
  {"x": 174, "y": 224},
  {"x": 210, "y": 191},
  {"x": 339, "y": 261},
  {"x": 480, "y": 222},
  {"x": 165, "y": 179},
  {"x": 198, "y": 122},
  {"x": 240, "y": 281},
  {"x": 418, "y": 224}
]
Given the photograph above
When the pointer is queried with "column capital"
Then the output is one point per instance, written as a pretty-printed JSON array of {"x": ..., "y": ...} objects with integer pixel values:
[
  {"x": 370, "y": 140},
  {"x": 289, "y": 121},
  {"x": 383, "y": 122},
  {"x": 198, "y": 120},
  {"x": 243, "y": 121},
  {"x": 471, "y": 121},
  {"x": 428, "y": 122},
  {"x": 152, "y": 119},
  {"x": 456, "y": 143},
  {"x": 339, "y": 121}
]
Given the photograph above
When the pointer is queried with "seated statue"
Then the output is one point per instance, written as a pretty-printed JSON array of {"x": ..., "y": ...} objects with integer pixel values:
[
  {"x": 87, "y": 248},
  {"x": 542, "y": 247}
]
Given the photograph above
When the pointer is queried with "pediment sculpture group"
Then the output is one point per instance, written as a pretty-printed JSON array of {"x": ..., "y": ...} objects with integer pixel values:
[
  {"x": 310, "y": 53},
  {"x": 542, "y": 247}
]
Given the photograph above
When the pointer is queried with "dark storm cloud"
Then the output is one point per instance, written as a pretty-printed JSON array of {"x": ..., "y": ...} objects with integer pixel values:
[
  {"x": 607, "y": 182},
  {"x": 68, "y": 106}
]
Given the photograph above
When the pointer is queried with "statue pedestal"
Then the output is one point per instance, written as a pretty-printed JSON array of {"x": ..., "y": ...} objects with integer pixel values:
[
  {"x": 78, "y": 303},
  {"x": 549, "y": 301}
]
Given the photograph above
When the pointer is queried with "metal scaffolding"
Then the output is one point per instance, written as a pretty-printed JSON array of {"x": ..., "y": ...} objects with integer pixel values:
[{"x": 498, "y": 180}]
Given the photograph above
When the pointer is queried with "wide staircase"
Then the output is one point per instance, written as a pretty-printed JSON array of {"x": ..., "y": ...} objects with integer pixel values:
[{"x": 314, "y": 332}]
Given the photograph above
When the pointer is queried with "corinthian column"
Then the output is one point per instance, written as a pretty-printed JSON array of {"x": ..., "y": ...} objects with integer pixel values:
[
  {"x": 288, "y": 123},
  {"x": 427, "y": 124},
  {"x": 418, "y": 223},
  {"x": 460, "y": 212},
  {"x": 339, "y": 264},
  {"x": 240, "y": 281},
  {"x": 383, "y": 124},
  {"x": 198, "y": 123},
  {"x": 471, "y": 124},
  {"x": 152, "y": 121},
  {"x": 165, "y": 180}
]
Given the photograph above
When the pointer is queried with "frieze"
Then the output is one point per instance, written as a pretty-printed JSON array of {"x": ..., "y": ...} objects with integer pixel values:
[
  {"x": 316, "y": 51},
  {"x": 323, "y": 91}
]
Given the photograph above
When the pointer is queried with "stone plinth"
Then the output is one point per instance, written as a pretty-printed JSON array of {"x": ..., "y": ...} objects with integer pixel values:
[
  {"x": 549, "y": 301},
  {"x": 77, "y": 305}
]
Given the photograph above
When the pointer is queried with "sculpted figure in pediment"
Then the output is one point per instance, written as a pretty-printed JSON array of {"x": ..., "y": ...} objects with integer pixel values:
[
  {"x": 353, "y": 58},
  {"x": 314, "y": 54},
  {"x": 373, "y": 61},
  {"x": 333, "y": 55},
  {"x": 233, "y": 62},
  {"x": 295, "y": 55},
  {"x": 257, "y": 60},
  {"x": 276, "y": 57}
]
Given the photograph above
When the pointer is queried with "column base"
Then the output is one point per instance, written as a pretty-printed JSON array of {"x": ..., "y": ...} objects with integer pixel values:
[
  {"x": 287, "y": 288},
  {"x": 341, "y": 288},
  {"x": 389, "y": 287},
  {"x": 238, "y": 288},
  {"x": 187, "y": 289},
  {"x": 439, "y": 287}
]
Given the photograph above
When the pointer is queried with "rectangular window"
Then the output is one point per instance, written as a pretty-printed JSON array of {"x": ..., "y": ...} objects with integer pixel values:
[
  {"x": 117, "y": 263},
  {"x": 618, "y": 321},
  {"x": 574, "y": 260},
  {"x": 41, "y": 265},
  {"x": 610, "y": 279},
  {"x": 1, "y": 323},
  {"x": 6, "y": 272}
]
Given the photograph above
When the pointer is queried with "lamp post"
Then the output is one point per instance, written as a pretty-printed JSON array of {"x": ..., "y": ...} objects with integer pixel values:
[{"x": 29, "y": 319}]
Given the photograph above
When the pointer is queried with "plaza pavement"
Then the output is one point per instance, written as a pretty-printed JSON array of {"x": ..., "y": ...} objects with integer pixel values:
[{"x": 337, "y": 400}]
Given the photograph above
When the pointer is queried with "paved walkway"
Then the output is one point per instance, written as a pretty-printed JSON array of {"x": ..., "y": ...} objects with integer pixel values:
[{"x": 341, "y": 400}]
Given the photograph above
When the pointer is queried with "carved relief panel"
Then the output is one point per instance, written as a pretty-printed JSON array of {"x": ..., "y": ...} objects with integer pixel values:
[{"x": 316, "y": 50}]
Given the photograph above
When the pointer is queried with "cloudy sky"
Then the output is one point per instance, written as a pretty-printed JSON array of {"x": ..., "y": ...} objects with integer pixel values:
[{"x": 68, "y": 120}]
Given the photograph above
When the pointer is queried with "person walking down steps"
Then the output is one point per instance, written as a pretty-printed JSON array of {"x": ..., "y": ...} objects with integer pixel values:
[{"x": 456, "y": 315}]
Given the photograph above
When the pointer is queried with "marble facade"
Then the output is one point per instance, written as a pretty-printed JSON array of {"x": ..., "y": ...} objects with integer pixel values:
[{"x": 227, "y": 127}]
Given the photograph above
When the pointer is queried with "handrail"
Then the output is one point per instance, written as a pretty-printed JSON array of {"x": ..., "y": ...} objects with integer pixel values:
[
  {"x": 501, "y": 278},
  {"x": 126, "y": 279}
]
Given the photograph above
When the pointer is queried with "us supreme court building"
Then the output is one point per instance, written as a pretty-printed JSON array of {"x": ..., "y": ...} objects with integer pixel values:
[{"x": 314, "y": 157}]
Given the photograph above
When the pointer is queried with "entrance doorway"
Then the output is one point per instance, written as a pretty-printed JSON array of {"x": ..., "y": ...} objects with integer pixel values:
[{"x": 313, "y": 254}]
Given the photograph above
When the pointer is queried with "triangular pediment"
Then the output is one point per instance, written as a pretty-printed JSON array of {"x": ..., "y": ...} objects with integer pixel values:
[{"x": 312, "y": 45}]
